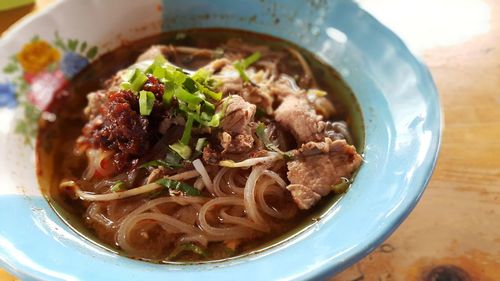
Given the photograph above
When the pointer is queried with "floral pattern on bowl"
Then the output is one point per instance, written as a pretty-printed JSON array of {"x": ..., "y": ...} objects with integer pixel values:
[{"x": 37, "y": 72}]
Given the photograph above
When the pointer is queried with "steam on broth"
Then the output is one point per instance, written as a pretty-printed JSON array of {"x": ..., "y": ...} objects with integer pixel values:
[{"x": 200, "y": 145}]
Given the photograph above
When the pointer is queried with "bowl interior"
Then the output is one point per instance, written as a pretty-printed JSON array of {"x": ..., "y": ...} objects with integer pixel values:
[{"x": 398, "y": 101}]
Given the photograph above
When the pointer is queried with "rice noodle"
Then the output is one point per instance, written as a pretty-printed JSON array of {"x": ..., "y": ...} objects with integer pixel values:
[
  {"x": 168, "y": 223},
  {"x": 223, "y": 233},
  {"x": 271, "y": 157},
  {"x": 198, "y": 165},
  {"x": 235, "y": 188},
  {"x": 94, "y": 211},
  {"x": 268, "y": 187},
  {"x": 127, "y": 193},
  {"x": 217, "y": 182},
  {"x": 249, "y": 196},
  {"x": 198, "y": 184}
]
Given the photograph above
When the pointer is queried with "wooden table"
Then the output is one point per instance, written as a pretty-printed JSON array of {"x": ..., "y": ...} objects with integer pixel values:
[{"x": 454, "y": 232}]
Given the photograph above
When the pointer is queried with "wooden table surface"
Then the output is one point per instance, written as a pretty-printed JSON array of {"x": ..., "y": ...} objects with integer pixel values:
[{"x": 454, "y": 232}]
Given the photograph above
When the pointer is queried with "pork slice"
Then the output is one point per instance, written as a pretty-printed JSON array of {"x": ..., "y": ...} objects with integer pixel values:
[
  {"x": 153, "y": 52},
  {"x": 239, "y": 144},
  {"x": 299, "y": 117},
  {"x": 317, "y": 167},
  {"x": 238, "y": 115}
]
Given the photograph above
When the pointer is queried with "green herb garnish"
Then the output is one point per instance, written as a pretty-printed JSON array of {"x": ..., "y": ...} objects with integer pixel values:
[
  {"x": 160, "y": 163},
  {"x": 242, "y": 65},
  {"x": 137, "y": 80},
  {"x": 179, "y": 186},
  {"x": 118, "y": 186},
  {"x": 186, "y": 135},
  {"x": 146, "y": 102},
  {"x": 190, "y": 247},
  {"x": 200, "y": 144},
  {"x": 183, "y": 150}
]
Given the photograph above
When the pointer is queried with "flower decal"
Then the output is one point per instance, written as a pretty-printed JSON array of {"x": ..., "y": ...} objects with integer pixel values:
[
  {"x": 37, "y": 73},
  {"x": 72, "y": 63},
  {"x": 37, "y": 56},
  {"x": 44, "y": 87},
  {"x": 7, "y": 95}
]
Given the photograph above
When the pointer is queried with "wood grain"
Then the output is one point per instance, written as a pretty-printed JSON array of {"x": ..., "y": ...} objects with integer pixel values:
[
  {"x": 455, "y": 228},
  {"x": 456, "y": 225}
]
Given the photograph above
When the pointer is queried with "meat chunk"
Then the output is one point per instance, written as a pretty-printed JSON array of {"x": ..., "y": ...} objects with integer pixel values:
[
  {"x": 153, "y": 52},
  {"x": 238, "y": 115},
  {"x": 299, "y": 117},
  {"x": 237, "y": 135},
  {"x": 317, "y": 167},
  {"x": 239, "y": 144},
  {"x": 303, "y": 196}
]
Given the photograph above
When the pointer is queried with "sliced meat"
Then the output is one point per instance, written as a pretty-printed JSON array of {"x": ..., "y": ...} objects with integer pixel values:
[
  {"x": 317, "y": 167},
  {"x": 217, "y": 65},
  {"x": 239, "y": 144},
  {"x": 153, "y": 52},
  {"x": 211, "y": 156},
  {"x": 303, "y": 196},
  {"x": 298, "y": 116},
  {"x": 238, "y": 115},
  {"x": 237, "y": 133}
]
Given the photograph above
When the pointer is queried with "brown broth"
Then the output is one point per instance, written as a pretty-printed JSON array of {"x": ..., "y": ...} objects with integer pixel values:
[{"x": 55, "y": 158}]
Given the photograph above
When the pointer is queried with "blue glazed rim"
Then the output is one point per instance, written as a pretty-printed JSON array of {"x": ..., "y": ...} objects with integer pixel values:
[{"x": 251, "y": 267}]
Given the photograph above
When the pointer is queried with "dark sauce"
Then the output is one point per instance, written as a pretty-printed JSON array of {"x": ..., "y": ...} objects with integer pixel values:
[{"x": 55, "y": 159}]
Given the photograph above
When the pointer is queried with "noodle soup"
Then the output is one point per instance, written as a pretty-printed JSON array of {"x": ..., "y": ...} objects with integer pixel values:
[{"x": 199, "y": 145}]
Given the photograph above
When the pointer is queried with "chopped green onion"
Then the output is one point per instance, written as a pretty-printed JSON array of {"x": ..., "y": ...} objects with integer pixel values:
[
  {"x": 261, "y": 134},
  {"x": 157, "y": 62},
  {"x": 215, "y": 121},
  {"x": 175, "y": 75},
  {"x": 186, "y": 135},
  {"x": 242, "y": 65},
  {"x": 125, "y": 86},
  {"x": 216, "y": 96},
  {"x": 159, "y": 72},
  {"x": 173, "y": 159},
  {"x": 160, "y": 163},
  {"x": 201, "y": 75},
  {"x": 137, "y": 80},
  {"x": 127, "y": 75},
  {"x": 179, "y": 186},
  {"x": 200, "y": 144},
  {"x": 191, "y": 247},
  {"x": 168, "y": 93},
  {"x": 186, "y": 97},
  {"x": 183, "y": 150},
  {"x": 118, "y": 186},
  {"x": 146, "y": 102}
]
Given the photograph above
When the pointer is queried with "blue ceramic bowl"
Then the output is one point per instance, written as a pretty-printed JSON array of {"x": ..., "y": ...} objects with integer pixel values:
[{"x": 398, "y": 99}]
